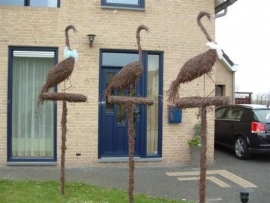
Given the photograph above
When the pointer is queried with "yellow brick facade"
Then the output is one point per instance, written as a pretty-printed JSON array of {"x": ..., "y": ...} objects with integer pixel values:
[
  {"x": 225, "y": 77},
  {"x": 173, "y": 30}
]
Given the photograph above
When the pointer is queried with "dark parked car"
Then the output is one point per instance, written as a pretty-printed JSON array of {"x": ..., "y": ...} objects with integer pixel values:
[{"x": 245, "y": 128}]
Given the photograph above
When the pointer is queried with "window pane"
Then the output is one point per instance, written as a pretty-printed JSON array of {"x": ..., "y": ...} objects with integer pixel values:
[
  {"x": 32, "y": 126},
  {"x": 109, "y": 106},
  {"x": 120, "y": 109},
  {"x": 12, "y": 2},
  {"x": 263, "y": 115},
  {"x": 44, "y": 3},
  {"x": 219, "y": 113},
  {"x": 131, "y": 2},
  {"x": 152, "y": 111},
  {"x": 118, "y": 59}
]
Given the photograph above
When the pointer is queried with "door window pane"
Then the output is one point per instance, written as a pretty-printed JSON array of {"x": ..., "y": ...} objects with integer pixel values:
[
  {"x": 44, "y": 3},
  {"x": 152, "y": 111},
  {"x": 109, "y": 106},
  {"x": 12, "y": 2},
  {"x": 121, "y": 110},
  {"x": 32, "y": 126},
  {"x": 118, "y": 59}
]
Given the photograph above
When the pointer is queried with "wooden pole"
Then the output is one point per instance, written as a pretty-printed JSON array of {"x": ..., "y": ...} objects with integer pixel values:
[
  {"x": 203, "y": 165},
  {"x": 63, "y": 147},
  {"x": 131, "y": 144}
]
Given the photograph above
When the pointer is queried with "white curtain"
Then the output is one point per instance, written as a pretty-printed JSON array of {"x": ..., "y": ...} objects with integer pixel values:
[
  {"x": 32, "y": 126},
  {"x": 152, "y": 111}
]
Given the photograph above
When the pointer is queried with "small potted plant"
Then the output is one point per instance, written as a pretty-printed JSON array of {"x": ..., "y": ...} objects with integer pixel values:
[{"x": 195, "y": 146}]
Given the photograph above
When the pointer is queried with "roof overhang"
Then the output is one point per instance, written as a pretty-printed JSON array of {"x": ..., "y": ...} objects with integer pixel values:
[
  {"x": 223, "y": 5},
  {"x": 228, "y": 63}
]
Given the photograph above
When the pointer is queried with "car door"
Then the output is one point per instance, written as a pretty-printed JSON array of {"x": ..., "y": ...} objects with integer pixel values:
[
  {"x": 231, "y": 126},
  {"x": 220, "y": 114}
]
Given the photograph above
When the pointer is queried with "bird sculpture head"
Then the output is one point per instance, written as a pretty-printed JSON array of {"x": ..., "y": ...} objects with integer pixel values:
[
  {"x": 71, "y": 27},
  {"x": 143, "y": 27},
  {"x": 204, "y": 13}
]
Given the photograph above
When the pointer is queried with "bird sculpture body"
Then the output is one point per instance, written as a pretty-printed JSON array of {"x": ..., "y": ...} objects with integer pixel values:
[
  {"x": 196, "y": 66},
  {"x": 62, "y": 70},
  {"x": 130, "y": 73}
]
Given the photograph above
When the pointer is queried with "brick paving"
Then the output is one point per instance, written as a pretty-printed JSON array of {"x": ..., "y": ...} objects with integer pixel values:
[{"x": 226, "y": 177}]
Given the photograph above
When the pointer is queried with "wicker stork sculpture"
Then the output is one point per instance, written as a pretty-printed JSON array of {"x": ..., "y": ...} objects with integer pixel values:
[
  {"x": 130, "y": 73},
  {"x": 126, "y": 78},
  {"x": 198, "y": 65},
  {"x": 192, "y": 69},
  {"x": 59, "y": 73}
]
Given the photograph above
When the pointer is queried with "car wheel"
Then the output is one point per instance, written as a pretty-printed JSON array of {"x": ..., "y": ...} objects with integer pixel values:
[{"x": 240, "y": 148}]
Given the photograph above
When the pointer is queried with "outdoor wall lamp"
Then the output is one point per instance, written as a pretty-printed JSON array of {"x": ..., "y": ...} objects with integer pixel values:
[{"x": 91, "y": 39}]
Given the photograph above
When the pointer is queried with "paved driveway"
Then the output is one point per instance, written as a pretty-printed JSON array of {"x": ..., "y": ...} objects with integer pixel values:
[{"x": 225, "y": 178}]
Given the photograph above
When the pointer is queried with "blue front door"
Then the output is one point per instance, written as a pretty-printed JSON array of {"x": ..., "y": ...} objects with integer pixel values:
[
  {"x": 113, "y": 138},
  {"x": 113, "y": 128}
]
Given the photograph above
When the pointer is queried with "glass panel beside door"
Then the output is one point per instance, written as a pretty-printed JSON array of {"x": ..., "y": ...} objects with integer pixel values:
[{"x": 153, "y": 110}]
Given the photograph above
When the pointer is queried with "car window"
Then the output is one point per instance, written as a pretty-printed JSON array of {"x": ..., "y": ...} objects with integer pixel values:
[
  {"x": 220, "y": 113},
  {"x": 235, "y": 114},
  {"x": 262, "y": 115}
]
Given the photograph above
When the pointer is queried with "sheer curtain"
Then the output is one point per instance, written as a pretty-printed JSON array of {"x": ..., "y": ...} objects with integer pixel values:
[
  {"x": 32, "y": 126},
  {"x": 152, "y": 111}
]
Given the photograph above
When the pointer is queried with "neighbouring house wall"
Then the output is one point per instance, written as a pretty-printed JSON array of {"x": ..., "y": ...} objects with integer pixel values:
[
  {"x": 224, "y": 77},
  {"x": 174, "y": 30}
]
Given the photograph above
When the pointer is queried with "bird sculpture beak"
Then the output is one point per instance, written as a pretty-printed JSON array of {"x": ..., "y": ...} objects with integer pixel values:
[
  {"x": 211, "y": 17},
  {"x": 75, "y": 30}
]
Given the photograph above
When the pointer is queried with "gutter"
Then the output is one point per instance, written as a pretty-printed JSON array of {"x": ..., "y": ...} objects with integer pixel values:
[
  {"x": 224, "y": 5},
  {"x": 222, "y": 14},
  {"x": 233, "y": 68}
]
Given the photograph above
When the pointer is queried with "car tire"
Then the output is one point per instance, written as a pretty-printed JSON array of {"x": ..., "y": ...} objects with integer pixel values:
[{"x": 240, "y": 148}]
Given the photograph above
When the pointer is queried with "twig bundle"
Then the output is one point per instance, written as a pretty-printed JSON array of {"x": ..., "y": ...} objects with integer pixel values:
[
  {"x": 62, "y": 96},
  {"x": 130, "y": 100},
  {"x": 193, "y": 102}
]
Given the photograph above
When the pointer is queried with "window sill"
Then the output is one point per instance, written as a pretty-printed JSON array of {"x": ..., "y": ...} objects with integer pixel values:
[
  {"x": 22, "y": 163},
  {"x": 126, "y": 159},
  {"x": 122, "y": 8}
]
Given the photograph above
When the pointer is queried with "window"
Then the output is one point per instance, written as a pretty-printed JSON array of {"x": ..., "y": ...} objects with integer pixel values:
[
  {"x": 31, "y": 128},
  {"x": 220, "y": 90},
  {"x": 235, "y": 114},
  {"x": 262, "y": 115},
  {"x": 34, "y": 3},
  {"x": 153, "y": 92},
  {"x": 219, "y": 114},
  {"x": 123, "y": 3}
]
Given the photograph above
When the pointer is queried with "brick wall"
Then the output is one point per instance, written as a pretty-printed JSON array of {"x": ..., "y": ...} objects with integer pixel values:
[
  {"x": 173, "y": 30},
  {"x": 224, "y": 77}
]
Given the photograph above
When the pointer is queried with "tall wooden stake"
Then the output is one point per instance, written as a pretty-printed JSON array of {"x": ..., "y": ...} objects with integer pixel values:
[
  {"x": 63, "y": 146},
  {"x": 131, "y": 146},
  {"x": 203, "y": 165}
]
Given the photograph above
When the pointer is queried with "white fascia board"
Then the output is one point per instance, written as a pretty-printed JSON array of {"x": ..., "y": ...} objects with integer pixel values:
[{"x": 233, "y": 68}]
